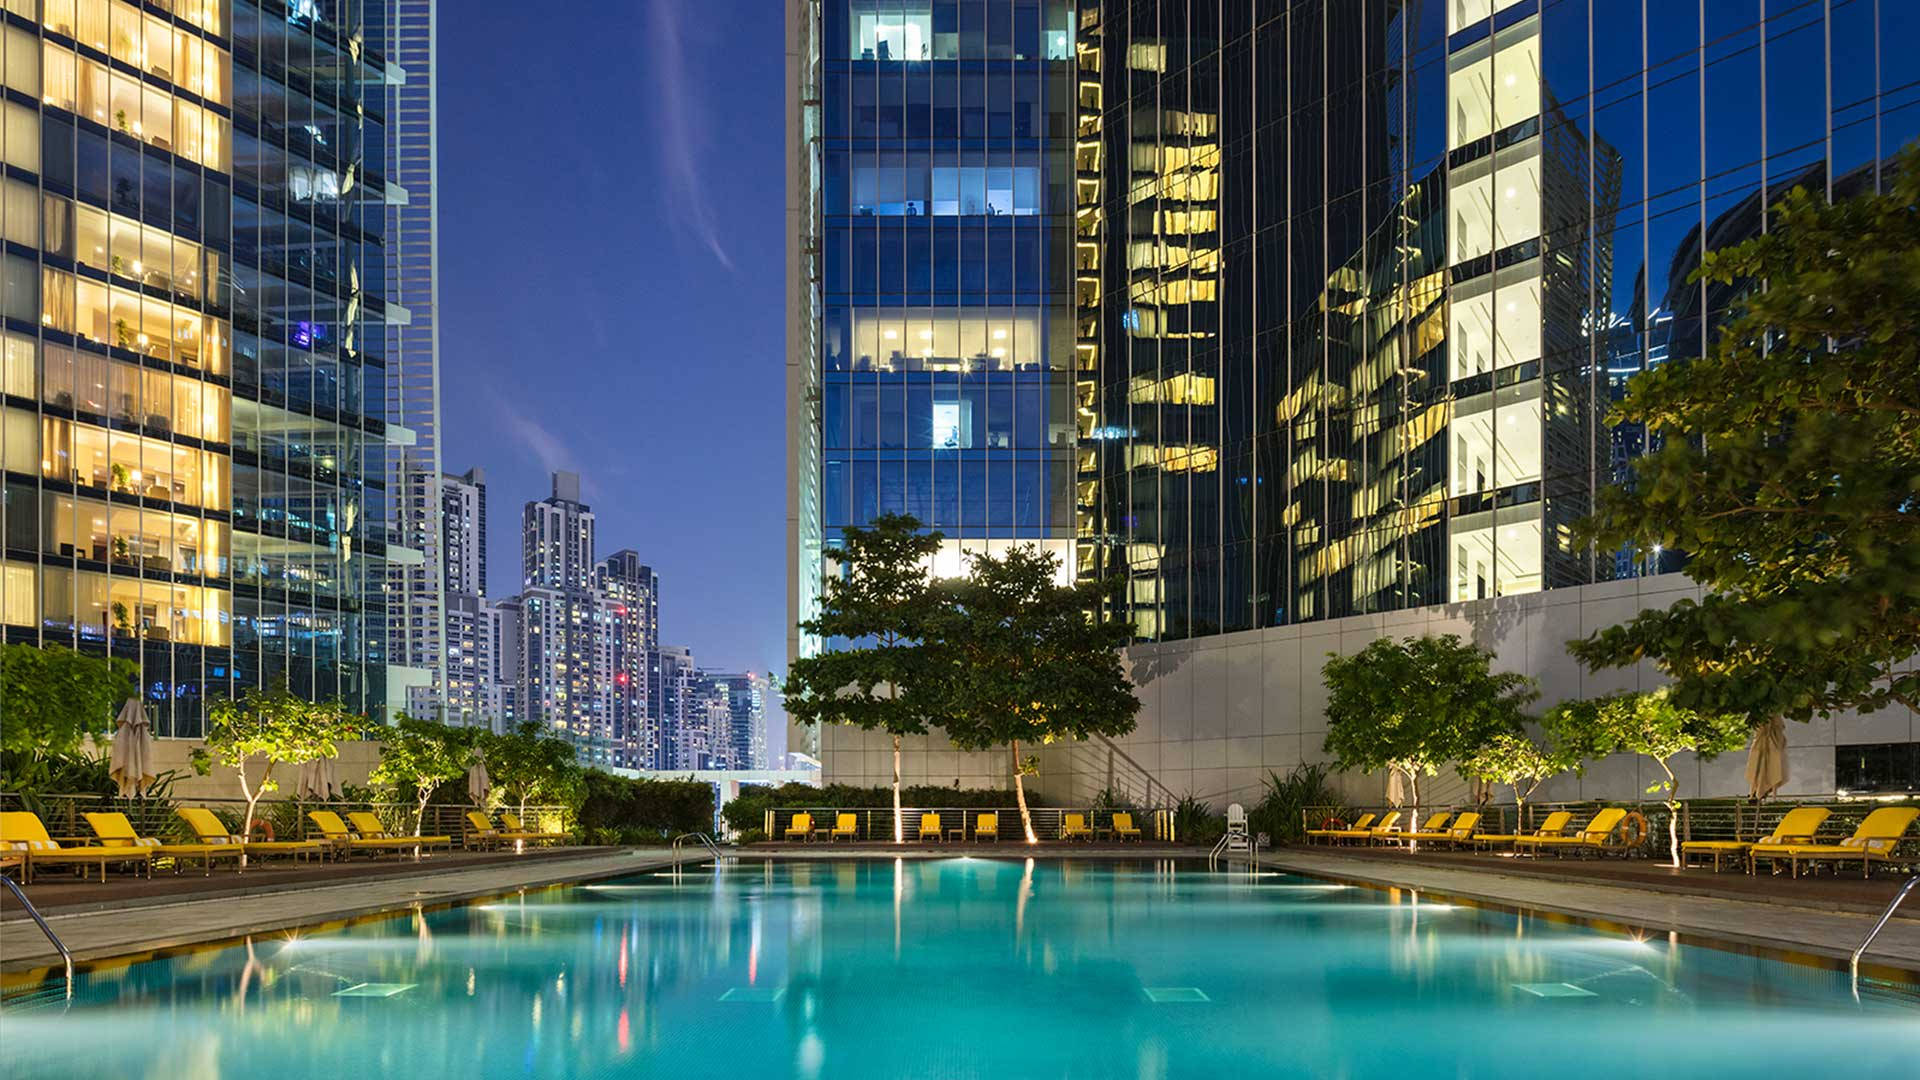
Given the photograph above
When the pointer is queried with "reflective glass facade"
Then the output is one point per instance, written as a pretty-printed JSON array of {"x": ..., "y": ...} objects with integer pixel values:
[
  {"x": 1356, "y": 281},
  {"x": 192, "y": 379},
  {"x": 943, "y": 335}
]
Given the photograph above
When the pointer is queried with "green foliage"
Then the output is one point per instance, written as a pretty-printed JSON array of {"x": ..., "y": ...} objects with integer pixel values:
[
  {"x": 1281, "y": 812},
  {"x": 1652, "y": 725},
  {"x": 1416, "y": 704},
  {"x": 878, "y": 608},
  {"x": 631, "y": 807},
  {"x": 53, "y": 699},
  {"x": 1110, "y": 799},
  {"x": 529, "y": 766},
  {"x": 748, "y": 809},
  {"x": 418, "y": 755},
  {"x": 1790, "y": 471},
  {"x": 1513, "y": 759},
  {"x": 1194, "y": 822},
  {"x": 1020, "y": 658},
  {"x": 880, "y": 603},
  {"x": 274, "y": 725}
]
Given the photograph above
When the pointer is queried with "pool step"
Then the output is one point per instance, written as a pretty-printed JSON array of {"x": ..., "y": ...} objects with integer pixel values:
[
  {"x": 1906, "y": 995},
  {"x": 46, "y": 995}
]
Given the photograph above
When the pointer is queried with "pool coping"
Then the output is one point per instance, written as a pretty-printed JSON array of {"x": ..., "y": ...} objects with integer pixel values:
[
  {"x": 1691, "y": 920},
  {"x": 127, "y": 949}
]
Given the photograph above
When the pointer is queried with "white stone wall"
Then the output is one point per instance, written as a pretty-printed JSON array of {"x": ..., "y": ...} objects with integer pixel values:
[{"x": 1218, "y": 713}]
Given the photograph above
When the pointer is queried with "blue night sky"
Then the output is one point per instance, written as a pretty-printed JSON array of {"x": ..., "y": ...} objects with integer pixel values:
[{"x": 610, "y": 291}]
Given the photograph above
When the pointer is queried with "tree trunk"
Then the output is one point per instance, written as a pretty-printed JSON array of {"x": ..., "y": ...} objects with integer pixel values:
[
  {"x": 1020, "y": 794},
  {"x": 420, "y": 812},
  {"x": 899, "y": 827},
  {"x": 253, "y": 795},
  {"x": 1413, "y": 792},
  {"x": 1673, "y": 815}
]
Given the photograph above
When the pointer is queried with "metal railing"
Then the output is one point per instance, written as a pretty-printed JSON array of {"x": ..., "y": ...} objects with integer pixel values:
[
  {"x": 960, "y": 823},
  {"x": 1699, "y": 819},
  {"x": 34, "y": 912},
  {"x": 1853, "y": 963},
  {"x": 703, "y": 840}
]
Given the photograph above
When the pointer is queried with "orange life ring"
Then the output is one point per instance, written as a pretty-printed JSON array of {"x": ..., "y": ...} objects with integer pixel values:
[
  {"x": 264, "y": 827},
  {"x": 1633, "y": 829},
  {"x": 1333, "y": 823}
]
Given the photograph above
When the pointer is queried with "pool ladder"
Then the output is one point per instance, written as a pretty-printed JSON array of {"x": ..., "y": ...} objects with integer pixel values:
[
  {"x": 1885, "y": 916},
  {"x": 700, "y": 838},
  {"x": 58, "y": 945}
]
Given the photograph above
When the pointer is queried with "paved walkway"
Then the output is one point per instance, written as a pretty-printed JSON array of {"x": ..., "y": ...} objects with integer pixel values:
[
  {"x": 1821, "y": 932},
  {"x": 100, "y": 934}
]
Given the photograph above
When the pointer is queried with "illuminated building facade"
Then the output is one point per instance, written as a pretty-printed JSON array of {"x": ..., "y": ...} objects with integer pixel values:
[
  {"x": 1354, "y": 285},
  {"x": 194, "y": 311}
]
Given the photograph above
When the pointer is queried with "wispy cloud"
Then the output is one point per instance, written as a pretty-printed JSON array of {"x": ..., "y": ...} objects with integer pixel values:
[{"x": 680, "y": 125}]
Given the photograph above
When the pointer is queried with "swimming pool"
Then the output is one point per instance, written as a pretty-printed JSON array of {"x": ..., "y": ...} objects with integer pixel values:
[{"x": 957, "y": 968}]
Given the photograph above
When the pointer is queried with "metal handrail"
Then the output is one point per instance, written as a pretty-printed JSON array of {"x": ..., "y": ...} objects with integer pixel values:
[
  {"x": 705, "y": 841},
  {"x": 1885, "y": 916},
  {"x": 34, "y": 912}
]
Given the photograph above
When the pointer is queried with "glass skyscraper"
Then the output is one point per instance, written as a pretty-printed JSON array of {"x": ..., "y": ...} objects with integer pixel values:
[
  {"x": 1353, "y": 286},
  {"x": 193, "y": 320},
  {"x": 933, "y": 358}
]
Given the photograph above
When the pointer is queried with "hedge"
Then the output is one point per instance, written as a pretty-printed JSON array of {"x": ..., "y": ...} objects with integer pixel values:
[
  {"x": 748, "y": 810},
  {"x": 621, "y": 805}
]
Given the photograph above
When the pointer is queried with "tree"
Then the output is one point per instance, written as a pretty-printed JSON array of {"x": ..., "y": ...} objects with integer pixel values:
[
  {"x": 53, "y": 699},
  {"x": 1652, "y": 725},
  {"x": 878, "y": 606},
  {"x": 275, "y": 725},
  {"x": 421, "y": 755},
  {"x": 1790, "y": 471},
  {"x": 1019, "y": 658},
  {"x": 1415, "y": 704},
  {"x": 527, "y": 764},
  {"x": 1511, "y": 758}
]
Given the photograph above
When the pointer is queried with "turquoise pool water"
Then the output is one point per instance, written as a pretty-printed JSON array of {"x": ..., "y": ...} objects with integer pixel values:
[{"x": 962, "y": 968}]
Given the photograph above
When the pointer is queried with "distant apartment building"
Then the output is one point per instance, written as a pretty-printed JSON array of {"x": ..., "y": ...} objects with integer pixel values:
[
  {"x": 736, "y": 713},
  {"x": 562, "y": 641},
  {"x": 629, "y": 593}
]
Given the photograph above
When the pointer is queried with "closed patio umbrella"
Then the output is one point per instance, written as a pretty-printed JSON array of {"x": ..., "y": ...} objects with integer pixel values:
[
  {"x": 132, "y": 750},
  {"x": 478, "y": 782},
  {"x": 1396, "y": 788},
  {"x": 316, "y": 779},
  {"x": 1767, "y": 758}
]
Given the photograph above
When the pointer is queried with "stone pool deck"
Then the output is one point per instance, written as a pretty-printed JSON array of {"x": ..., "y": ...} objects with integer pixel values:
[
  {"x": 282, "y": 900},
  {"x": 1795, "y": 920}
]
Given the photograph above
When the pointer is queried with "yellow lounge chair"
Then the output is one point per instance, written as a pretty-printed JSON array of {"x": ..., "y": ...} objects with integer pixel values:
[
  {"x": 371, "y": 829},
  {"x": 800, "y": 828},
  {"x": 1361, "y": 831},
  {"x": 336, "y": 832},
  {"x": 930, "y": 827},
  {"x": 1435, "y": 822},
  {"x": 1123, "y": 827},
  {"x": 1798, "y": 827},
  {"x": 209, "y": 829},
  {"x": 1461, "y": 831},
  {"x": 987, "y": 826},
  {"x": 114, "y": 830},
  {"x": 1555, "y": 824},
  {"x": 21, "y": 831},
  {"x": 480, "y": 832},
  {"x": 845, "y": 826},
  {"x": 1878, "y": 837},
  {"x": 1362, "y": 822},
  {"x": 514, "y": 830},
  {"x": 1596, "y": 835},
  {"x": 1074, "y": 827}
]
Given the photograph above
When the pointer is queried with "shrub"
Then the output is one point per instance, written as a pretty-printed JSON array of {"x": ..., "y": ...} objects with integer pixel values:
[
  {"x": 617, "y": 803},
  {"x": 1279, "y": 812},
  {"x": 1194, "y": 822}
]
